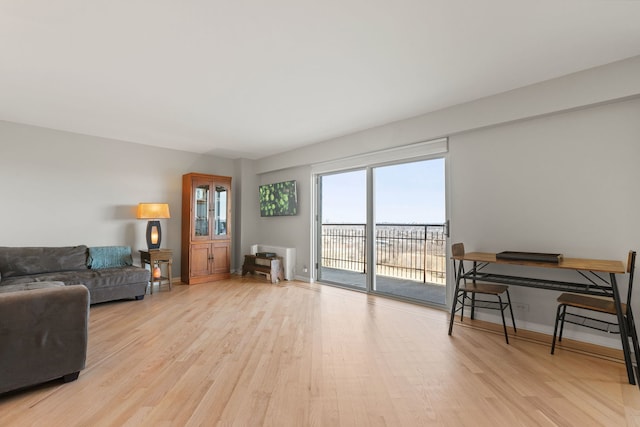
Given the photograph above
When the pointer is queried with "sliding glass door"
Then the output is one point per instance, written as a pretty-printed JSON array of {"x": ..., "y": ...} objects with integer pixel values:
[
  {"x": 410, "y": 244},
  {"x": 343, "y": 213},
  {"x": 382, "y": 229}
]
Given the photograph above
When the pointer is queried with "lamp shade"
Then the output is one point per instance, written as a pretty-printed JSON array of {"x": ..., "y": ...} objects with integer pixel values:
[{"x": 153, "y": 211}]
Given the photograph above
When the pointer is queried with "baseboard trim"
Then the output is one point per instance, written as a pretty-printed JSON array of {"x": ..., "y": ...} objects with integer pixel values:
[{"x": 606, "y": 353}]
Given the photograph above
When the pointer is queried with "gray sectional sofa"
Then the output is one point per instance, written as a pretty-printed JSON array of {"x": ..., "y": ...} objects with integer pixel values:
[
  {"x": 43, "y": 333},
  {"x": 45, "y": 294},
  {"x": 107, "y": 271}
]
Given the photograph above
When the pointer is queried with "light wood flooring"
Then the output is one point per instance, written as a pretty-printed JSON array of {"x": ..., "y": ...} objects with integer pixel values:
[{"x": 248, "y": 353}]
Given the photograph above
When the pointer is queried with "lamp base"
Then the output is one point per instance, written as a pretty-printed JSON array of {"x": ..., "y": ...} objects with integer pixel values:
[{"x": 154, "y": 235}]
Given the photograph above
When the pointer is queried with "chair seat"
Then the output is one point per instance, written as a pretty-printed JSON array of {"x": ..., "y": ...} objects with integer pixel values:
[
  {"x": 590, "y": 303},
  {"x": 464, "y": 287},
  {"x": 484, "y": 288},
  {"x": 605, "y": 306}
]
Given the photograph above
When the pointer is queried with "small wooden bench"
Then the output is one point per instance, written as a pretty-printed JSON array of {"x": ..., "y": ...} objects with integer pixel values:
[{"x": 271, "y": 266}]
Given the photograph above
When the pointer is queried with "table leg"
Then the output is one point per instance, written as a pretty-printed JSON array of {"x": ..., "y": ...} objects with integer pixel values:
[
  {"x": 144, "y": 262},
  {"x": 455, "y": 296},
  {"x": 624, "y": 335},
  {"x": 631, "y": 327},
  {"x": 152, "y": 266},
  {"x": 473, "y": 295}
]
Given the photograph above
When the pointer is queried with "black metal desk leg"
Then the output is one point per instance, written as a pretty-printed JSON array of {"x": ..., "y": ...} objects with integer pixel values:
[
  {"x": 631, "y": 327},
  {"x": 473, "y": 295},
  {"x": 624, "y": 335},
  {"x": 455, "y": 296}
]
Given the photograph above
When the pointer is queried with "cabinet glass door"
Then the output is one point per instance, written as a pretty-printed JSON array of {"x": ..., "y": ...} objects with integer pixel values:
[
  {"x": 201, "y": 210},
  {"x": 220, "y": 210}
]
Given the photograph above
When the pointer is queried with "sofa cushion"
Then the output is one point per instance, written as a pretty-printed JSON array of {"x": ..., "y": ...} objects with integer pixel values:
[
  {"x": 22, "y": 261},
  {"x": 109, "y": 257},
  {"x": 92, "y": 279},
  {"x": 29, "y": 286}
]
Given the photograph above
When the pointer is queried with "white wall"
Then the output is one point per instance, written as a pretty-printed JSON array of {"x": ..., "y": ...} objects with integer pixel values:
[
  {"x": 566, "y": 183},
  {"x": 247, "y": 230},
  {"x": 553, "y": 167},
  {"x": 608, "y": 83},
  {"x": 59, "y": 188},
  {"x": 289, "y": 231}
]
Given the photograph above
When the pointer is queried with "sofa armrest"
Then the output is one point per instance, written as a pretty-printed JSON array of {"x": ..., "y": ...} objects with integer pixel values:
[{"x": 44, "y": 335}]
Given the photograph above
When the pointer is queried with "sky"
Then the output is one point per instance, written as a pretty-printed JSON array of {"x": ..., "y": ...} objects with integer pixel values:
[{"x": 406, "y": 193}]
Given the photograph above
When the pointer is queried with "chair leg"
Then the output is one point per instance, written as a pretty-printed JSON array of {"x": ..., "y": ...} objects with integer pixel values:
[
  {"x": 564, "y": 313},
  {"x": 555, "y": 329},
  {"x": 504, "y": 324},
  {"x": 473, "y": 306},
  {"x": 513, "y": 320},
  {"x": 464, "y": 298}
]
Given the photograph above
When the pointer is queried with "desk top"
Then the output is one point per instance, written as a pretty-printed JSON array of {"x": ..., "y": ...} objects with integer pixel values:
[{"x": 603, "y": 266}]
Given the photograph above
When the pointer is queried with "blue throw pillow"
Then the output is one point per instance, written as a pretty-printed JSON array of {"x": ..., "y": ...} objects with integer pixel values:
[{"x": 109, "y": 256}]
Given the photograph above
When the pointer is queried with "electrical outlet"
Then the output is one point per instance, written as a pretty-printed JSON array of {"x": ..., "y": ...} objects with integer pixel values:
[
  {"x": 304, "y": 268},
  {"x": 520, "y": 306}
]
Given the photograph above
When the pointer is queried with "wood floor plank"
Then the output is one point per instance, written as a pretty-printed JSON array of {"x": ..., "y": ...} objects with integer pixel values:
[{"x": 248, "y": 353}]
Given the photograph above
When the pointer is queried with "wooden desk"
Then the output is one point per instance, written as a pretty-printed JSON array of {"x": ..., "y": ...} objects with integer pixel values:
[
  {"x": 598, "y": 265},
  {"x": 156, "y": 258},
  {"x": 594, "y": 282}
]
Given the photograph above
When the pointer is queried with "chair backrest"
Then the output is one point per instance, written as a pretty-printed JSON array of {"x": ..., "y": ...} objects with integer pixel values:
[
  {"x": 631, "y": 260},
  {"x": 631, "y": 267},
  {"x": 457, "y": 250}
]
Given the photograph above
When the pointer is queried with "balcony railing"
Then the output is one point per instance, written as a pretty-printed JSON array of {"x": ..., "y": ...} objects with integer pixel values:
[{"x": 404, "y": 251}]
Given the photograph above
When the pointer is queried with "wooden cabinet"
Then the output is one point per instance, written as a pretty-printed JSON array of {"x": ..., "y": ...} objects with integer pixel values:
[{"x": 206, "y": 228}]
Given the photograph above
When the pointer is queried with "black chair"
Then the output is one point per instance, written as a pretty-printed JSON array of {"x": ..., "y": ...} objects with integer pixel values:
[
  {"x": 468, "y": 292},
  {"x": 596, "y": 304}
]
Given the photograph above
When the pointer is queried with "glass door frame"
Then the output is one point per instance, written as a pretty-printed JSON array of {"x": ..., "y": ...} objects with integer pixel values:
[
  {"x": 316, "y": 237},
  {"x": 370, "y": 247}
]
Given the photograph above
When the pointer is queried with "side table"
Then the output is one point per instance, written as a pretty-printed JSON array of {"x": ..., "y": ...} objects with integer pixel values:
[{"x": 156, "y": 258}]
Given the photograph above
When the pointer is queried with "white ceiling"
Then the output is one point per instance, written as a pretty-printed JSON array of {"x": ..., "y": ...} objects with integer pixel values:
[{"x": 251, "y": 78}]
